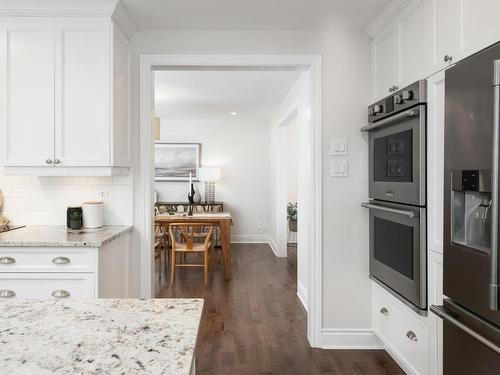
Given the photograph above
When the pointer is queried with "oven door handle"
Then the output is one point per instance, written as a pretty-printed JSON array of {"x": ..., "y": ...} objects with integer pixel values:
[
  {"x": 494, "y": 258},
  {"x": 389, "y": 121},
  {"x": 441, "y": 312},
  {"x": 408, "y": 213}
]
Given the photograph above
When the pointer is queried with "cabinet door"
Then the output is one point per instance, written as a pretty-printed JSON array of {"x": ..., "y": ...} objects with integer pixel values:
[
  {"x": 415, "y": 57},
  {"x": 435, "y": 161},
  {"x": 385, "y": 62},
  {"x": 27, "y": 92},
  {"x": 476, "y": 25},
  {"x": 82, "y": 93},
  {"x": 442, "y": 25}
]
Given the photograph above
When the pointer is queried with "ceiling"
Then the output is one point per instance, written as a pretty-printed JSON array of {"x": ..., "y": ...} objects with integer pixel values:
[
  {"x": 216, "y": 94},
  {"x": 253, "y": 14}
]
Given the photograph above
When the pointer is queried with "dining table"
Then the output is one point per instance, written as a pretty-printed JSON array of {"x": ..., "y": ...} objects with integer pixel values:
[{"x": 222, "y": 220}]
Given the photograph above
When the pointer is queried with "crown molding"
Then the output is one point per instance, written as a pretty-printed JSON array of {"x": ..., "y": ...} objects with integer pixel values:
[
  {"x": 57, "y": 8},
  {"x": 386, "y": 16},
  {"x": 121, "y": 17}
]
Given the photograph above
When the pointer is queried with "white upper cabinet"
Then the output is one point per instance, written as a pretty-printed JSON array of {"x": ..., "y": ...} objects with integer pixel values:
[
  {"x": 414, "y": 56},
  {"x": 65, "y": 96},
  {"x": 27, "y": 92},
  {"x": 427, "y": 36},
  {"x": 385, "y": 61},
  {"x": 82, "y": 93},
  {"x": 476, "y": 25},
  {"x": 440, "y": 12}
]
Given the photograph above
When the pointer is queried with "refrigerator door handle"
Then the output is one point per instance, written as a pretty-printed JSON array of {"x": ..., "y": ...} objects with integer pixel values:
[
  {"x": 494, "y": 282},
  {"x": 441, "y": 312}
]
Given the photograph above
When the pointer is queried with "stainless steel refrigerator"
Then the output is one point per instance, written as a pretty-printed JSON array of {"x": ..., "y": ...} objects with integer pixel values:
[{"x": 471, "y": 316}]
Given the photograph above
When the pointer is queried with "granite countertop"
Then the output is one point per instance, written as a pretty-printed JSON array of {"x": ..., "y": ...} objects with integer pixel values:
[
  {"x": 60, "y": 236},
  {"x": 100, "y": 336}
]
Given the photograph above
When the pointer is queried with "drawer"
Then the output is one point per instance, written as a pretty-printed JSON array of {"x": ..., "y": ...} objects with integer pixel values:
[
  {"x": 406, "y": 336},
  {"x": 47, "y": 259},
  {"x": 47, "y": 285}
]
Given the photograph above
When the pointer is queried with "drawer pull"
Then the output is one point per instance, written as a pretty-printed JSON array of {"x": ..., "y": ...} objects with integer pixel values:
[
  {"x": 7, "y": 260},
  {"x": 411, "y": 335},
  {"x": 60, "y": 260},
  {"x": 384, "y": 311},
  {"x": 7, "y": 293},
  {"x": 60, "y": 293}
]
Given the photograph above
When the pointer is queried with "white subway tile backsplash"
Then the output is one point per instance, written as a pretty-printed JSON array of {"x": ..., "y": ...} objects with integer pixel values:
[{"x": 43, "y": 200}]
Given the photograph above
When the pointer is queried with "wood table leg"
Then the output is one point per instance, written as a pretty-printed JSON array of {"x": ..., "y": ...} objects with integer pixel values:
[{"x": 225, "y": 230}]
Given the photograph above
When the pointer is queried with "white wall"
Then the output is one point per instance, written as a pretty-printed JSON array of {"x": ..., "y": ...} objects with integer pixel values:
[
  {"x": 241, "y": 149},
  {"x": 345, "y": 95},
  {"x": 43, "y": 200}
]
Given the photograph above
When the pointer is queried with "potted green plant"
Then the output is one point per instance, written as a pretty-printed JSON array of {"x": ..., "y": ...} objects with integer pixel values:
[
  {"x": 75, "y": 220},
  {"x": 292, "y": 216}
]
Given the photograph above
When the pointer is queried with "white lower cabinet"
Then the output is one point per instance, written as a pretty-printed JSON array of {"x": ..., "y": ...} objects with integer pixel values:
[
  {"x": 404, "y": 334},
  {"x": 47, "y": 285},
  {"x": 65, "y": 272}
]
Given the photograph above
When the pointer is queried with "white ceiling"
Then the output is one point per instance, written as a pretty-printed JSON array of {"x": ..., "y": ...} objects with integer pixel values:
[
  {"x": 253, "y": 14},
  {"x": 215, "y": 94}
]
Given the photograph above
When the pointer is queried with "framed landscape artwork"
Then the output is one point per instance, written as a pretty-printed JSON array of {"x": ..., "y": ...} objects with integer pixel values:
[{"x": 174, "y": 161}]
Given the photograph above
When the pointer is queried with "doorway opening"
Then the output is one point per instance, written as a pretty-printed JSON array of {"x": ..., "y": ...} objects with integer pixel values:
[{"x": 303, "y": 102}]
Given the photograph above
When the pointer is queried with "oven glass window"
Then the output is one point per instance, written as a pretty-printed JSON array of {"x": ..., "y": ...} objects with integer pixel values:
[
  {"x": 394, "y": 245},
  {"x": 392, "y": 159}
]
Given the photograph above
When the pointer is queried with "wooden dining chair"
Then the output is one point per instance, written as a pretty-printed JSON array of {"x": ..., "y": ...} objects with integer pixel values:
[
  {"x": 161, "y": 243},
  {"x": 191, "y": 238}
]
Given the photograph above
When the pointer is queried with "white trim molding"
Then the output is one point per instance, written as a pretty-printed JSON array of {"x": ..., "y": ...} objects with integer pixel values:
[
  {"x": 250, "y": 238},
  {"x": 340, "y": 338},
  {"x": 386, "y": 16},
  {"x": 144, "y": 175},
  {"x": 302, "y": 295}
]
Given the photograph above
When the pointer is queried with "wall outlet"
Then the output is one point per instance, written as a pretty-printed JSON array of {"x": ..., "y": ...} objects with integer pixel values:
[
  {"x": 103, "y": 197},
  {"x": 339, "y": 167},
  {"x": 338, "y": 146},
  {"x": 261, "y": 226}
]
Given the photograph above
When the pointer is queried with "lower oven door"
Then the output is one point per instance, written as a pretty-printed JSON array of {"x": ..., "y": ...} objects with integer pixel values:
[{"x": 398, "y": 251}]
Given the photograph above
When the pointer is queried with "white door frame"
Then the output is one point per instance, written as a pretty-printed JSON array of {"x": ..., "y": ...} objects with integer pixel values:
[{"x": 144, "y": 195}]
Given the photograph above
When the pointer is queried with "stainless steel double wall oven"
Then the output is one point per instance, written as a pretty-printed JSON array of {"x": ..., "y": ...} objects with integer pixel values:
[{"x": 397, "y": 178}]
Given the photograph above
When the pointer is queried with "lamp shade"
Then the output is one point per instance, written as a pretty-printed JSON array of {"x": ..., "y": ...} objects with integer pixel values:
[{"x": 209, "y": 174}]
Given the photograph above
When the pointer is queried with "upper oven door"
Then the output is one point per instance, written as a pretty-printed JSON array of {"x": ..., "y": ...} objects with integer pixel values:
[
  {"x": 398, "y": 249},
  {"x": 397, "y": 157}
]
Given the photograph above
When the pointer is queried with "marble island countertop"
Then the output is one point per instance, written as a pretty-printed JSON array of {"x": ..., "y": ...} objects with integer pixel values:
[
  {"x": 60, "y": 236},
  {"x": 101, "y": 336}
]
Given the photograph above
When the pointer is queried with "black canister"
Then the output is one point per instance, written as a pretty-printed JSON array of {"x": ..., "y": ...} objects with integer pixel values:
[{"x": 74, "y": 217}]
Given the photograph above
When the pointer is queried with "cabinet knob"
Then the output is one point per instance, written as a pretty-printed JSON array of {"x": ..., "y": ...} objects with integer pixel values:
[
  {"x": 60, "y": 293},
  {"x": 411, "y": 335},
  {"x": 447, "y": 58},
  {"x": 61, "y": 260},
  {"x": 7, "y": 293},
  {"x": 57, "y": 161},
  {"x": 7, "y": 260},
  {"x": 48, "y": 161},
  {"x": 384, "y": 311}
]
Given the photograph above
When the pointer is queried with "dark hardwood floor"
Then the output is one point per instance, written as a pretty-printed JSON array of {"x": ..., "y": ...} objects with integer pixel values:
[{"x": 255, "y": 324}]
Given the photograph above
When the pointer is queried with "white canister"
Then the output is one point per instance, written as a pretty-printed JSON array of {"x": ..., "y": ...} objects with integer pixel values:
[{"x": 93, "y": 214}]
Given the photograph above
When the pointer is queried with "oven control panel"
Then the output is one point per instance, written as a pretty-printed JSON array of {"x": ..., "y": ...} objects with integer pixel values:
[{"x": 414, "y": 94}]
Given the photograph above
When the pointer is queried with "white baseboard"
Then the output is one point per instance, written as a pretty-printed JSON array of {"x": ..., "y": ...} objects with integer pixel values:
[
  {"x": 250, "y": 238},
  {"x": 274, "y": 246},
  {"x": 302, "y": 294},
  {"x": 336, "y": 338}
]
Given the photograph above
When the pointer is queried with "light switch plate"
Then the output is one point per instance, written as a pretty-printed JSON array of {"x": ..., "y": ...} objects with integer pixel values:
[
  {"x": 339, "y": 167},
  {"x": 338, "y": 146}
]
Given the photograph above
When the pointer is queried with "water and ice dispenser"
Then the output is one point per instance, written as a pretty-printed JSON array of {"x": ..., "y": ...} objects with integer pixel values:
[{"x": 471, "y": 208}]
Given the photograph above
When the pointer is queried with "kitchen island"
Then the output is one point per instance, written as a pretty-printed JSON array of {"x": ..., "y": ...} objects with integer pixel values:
[{"x": 103, "y": 336}]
